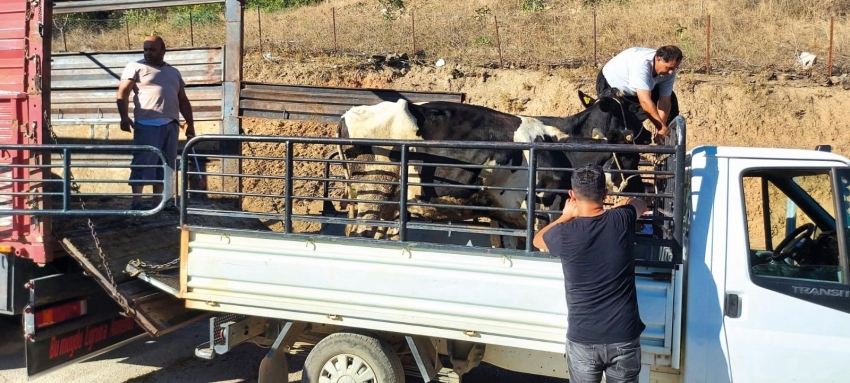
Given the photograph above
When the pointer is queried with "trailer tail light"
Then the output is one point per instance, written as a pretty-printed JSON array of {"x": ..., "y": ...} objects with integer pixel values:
[{"x": 60, "y": 313}]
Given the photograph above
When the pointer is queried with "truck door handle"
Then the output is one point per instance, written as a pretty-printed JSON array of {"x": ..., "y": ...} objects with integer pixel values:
[{"x": 732, "y": 306}]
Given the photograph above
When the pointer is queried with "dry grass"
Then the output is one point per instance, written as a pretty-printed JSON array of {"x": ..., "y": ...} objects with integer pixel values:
[{"x": 751, "y": 35}]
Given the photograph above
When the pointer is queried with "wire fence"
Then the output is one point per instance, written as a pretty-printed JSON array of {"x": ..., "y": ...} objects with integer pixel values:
[{"x": 582, "y": 36}]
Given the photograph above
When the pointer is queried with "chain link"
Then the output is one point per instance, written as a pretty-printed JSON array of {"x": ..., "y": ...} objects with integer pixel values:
[{"x": 154, "y": 268}]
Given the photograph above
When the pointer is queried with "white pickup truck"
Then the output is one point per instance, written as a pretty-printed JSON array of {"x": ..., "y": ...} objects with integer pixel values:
[{"x": 741, "y": 275}]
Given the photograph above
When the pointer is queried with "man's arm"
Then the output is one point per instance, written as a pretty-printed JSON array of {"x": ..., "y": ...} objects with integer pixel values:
[
  {"x": 570, "y": 212},
  {"x": 645, "y": 98},
  {"x": 638, "y": 204},
  {"x": 123, "y": 100},
  {"x": 186, "y": 111}
]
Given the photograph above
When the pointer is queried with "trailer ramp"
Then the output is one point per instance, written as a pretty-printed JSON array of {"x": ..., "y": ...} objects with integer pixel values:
[{"x": 115, "y": 241}]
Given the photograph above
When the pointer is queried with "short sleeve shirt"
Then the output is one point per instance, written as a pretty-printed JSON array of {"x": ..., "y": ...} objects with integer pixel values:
[
  {"x": 155, "y": 90},
  {"x": 597, "y": 257},
  {"x": 632, "y": 70}
]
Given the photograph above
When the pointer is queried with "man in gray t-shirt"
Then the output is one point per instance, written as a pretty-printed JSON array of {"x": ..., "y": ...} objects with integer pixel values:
[
  {"x": 159, "y": 95},
  {"x": 646, "y": 77}
]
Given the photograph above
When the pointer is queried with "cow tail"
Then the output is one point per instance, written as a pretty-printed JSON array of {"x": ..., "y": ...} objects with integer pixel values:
[{"x": 342, "y": 132}]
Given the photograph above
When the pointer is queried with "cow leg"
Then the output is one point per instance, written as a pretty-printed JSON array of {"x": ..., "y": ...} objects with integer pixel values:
[{"x": 369, "y": 193}]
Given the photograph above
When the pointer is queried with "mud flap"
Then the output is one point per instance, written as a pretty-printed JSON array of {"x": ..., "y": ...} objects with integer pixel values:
[
  {"x": 153, "y": 240},
  {"x": 69, "y": 319}
]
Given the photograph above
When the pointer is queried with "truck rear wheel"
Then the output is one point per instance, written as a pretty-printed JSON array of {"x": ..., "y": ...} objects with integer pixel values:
[{"x": 352, "y": 358}]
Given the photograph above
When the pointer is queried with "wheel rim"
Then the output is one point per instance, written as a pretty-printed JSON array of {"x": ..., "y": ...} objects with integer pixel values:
[{"x": 347, "y": 368}]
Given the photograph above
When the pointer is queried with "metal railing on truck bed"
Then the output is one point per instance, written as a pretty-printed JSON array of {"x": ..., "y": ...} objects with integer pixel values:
[{"x": 296, "y": 187}]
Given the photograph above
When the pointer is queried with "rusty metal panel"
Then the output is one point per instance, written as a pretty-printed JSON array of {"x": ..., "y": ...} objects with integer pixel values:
[
  {"x": 322, "y": 103},
  {"x": 72, "y": 6},
  {"x": 103, "y": 69},
  {"x": 87, "y": 106},
  {"x": 12, "y": 19}
]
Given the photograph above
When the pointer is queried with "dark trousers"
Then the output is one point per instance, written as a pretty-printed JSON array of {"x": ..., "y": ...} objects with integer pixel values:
[
  {"x": 633, "y": 103},
  {"x": 619, "y": 361}
]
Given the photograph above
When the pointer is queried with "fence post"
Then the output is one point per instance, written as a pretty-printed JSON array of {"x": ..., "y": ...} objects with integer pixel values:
[
  {"x": 64, "y": 41},
  {"x": 595, "y": 61},
  {"x": 498, "y": 41},
  {"x": 708, "y": 45},
  {"x": 831, "y": 30},
  {"x": 413, "y": 30},
  {"x": 260, "y": 26},
  {"x": 333, "y": 13},
  {"x": 127, "y": 27},
  {"x": 191, "y": 30}
]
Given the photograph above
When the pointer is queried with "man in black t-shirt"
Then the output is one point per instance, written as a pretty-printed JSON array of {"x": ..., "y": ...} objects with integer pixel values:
[{"x": 596, "y": 251}]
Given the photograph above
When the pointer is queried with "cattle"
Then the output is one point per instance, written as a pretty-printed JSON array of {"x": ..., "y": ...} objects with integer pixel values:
[{"x": 446, "y": 121}]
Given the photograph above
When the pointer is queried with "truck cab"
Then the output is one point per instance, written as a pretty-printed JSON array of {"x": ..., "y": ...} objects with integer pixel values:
[{"x": 767, "y": 263}]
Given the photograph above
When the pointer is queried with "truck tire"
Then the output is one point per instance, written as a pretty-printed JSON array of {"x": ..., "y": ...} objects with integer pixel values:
[{"x": 352, "y": 358}]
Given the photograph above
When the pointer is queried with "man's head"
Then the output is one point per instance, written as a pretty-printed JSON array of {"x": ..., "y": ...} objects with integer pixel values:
[
  {"x": 667, "y": 60},
  {"x": 154, "y": 48},
  {"x": 588, "y": 184}
]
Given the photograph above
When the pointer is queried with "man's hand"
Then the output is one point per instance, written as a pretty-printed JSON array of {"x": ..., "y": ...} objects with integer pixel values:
[
  {"x": 189, "y": 130},
  {"x": 570, "y": 211},
  {"x": 661, "y": 134},
  {"x": 127, "y": 124}
]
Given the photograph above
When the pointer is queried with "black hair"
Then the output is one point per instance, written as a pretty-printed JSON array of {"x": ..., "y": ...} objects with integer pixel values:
[
  {"x": 669, "y": 53},
  {"x": 588, "y": 183}
]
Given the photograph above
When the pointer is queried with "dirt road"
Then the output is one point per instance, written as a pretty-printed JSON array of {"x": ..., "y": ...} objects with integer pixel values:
[{"x": 170, "y": 359}]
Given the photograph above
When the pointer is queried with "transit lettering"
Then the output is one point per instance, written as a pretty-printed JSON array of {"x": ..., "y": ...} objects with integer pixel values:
[{"x": 821, "y": 292}]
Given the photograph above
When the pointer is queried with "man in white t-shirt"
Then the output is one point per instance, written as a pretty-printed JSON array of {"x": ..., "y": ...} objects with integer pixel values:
[
  {"x": 646, "y": 78},
  {"x": 159, "y": 97}
]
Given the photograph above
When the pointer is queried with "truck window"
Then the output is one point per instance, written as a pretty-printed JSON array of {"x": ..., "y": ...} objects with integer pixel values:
[{"x": 791, "y": 225}]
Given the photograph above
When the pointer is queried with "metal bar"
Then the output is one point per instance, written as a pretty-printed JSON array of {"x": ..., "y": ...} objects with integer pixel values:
[
  {"x": 619, "y": 148},
  {"x": 191, "y": 30},
  {"x": 679, "y": 198},
  {"x": 708, "y": 45},
  {"x": 66, "y": 176},
  {"x": 530, "y": 199},
  {"x": 233, "y": 53},
  {"x": 498, "y": 41},
  {"x": 413, "y": 30},
  {"x": 82, "y": 6},
  {"x": 402, "y": 199},
  {"x": 482, "y": 208},
  {"x": 595, "y": 61},
  {"x": 829, "y": 61},
  {"x": 260, "y": 27},
  {"x": 287, "y": 191},
  {"x": 333, "y": 13}
]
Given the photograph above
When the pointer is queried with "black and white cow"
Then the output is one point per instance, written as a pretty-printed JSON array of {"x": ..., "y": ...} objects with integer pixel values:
[{"x": 445, "y": 121}]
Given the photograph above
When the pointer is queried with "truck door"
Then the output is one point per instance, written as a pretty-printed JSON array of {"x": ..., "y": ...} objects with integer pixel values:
[{"x": 787, "y": 302}]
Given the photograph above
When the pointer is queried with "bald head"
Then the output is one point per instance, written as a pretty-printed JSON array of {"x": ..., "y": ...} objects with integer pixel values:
[
  {"x": 154, "y": 48},
  {"x": 156, "y": 40}
]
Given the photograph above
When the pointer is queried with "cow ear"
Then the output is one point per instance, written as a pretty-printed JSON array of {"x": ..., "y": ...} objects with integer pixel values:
[
  {"x": 597, "y": 134},
  {"x": 586, "y": 100}
]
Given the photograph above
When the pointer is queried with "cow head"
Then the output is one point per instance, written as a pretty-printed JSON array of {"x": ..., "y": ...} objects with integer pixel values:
[{"x": 615, "y": 122}]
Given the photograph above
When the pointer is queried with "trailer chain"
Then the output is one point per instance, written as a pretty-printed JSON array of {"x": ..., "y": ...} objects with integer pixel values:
[{"x": 154, "y": 268}]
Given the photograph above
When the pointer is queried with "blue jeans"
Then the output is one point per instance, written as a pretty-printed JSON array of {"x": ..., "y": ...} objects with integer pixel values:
[
  {"x": 163, "y": 137},
  {"x": 619, "y": 361}
]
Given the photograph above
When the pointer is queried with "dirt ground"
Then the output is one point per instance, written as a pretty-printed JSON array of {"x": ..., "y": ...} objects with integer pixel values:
[{"x": 735, "y": 109}]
